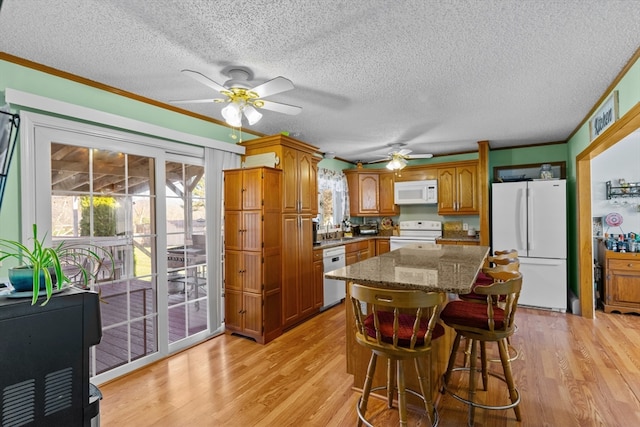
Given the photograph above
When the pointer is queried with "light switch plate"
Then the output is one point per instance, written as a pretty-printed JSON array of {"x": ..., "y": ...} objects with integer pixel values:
[{"x": 465, "y": 226}]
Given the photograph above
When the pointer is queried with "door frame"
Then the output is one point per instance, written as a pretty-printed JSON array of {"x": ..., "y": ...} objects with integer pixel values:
[{"x": 623, "y": 127}]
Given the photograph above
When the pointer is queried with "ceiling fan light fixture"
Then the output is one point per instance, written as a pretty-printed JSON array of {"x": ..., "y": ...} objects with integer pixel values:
[
  {"x": 232, "y": 114},
  {"x": 396, "y": 163},
  {"x": 252, "y": 115}
]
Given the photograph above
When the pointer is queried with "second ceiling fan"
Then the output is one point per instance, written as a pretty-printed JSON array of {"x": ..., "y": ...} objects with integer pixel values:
[
  {"x": 398, "y": 157},
  {"x": 241, "y": 97}
]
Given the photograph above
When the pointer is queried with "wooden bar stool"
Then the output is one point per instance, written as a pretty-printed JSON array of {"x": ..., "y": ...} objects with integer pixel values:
[
  {"x": 493, "y": 321},
  {"x": 500, "y": 260},
  {"x": 506, "y": 260},
  {"x": 398, "y": 324}
]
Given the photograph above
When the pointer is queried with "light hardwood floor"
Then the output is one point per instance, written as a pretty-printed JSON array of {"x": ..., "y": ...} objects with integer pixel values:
[{"x": 571, "y": 372}]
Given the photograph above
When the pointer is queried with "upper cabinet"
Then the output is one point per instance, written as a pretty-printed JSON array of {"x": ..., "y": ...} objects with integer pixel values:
[
  {"x": 370, "y": 192},
  {"x": 458, "y": 189},
  {"x": 299, "y": 163}
]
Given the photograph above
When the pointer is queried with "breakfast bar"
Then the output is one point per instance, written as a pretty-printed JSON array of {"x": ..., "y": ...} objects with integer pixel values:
[{"x": 451, "y": 269}]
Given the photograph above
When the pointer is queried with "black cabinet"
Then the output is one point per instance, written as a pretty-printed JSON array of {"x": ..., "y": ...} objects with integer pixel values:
[{"x": 44, "y": 380}]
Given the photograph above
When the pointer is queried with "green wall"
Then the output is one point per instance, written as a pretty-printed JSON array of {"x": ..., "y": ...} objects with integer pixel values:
[
  {"x": 527, "y": 155},
  {"x": 334, "y": 164},
  {"x": 628, "y": 96}
]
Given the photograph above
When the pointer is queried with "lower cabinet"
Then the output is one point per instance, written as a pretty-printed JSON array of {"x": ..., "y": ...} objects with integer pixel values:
[
  {"x": 382, "y": 246},
  {"x": 359, "y": 251},
  {"x": 318, "y": 278},
  {"x": 621, "y": 275},
  {"x": 458, "y": 242}
]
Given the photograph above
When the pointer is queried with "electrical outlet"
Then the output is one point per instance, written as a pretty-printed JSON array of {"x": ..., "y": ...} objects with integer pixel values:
[{"x": 465, "y": 226}]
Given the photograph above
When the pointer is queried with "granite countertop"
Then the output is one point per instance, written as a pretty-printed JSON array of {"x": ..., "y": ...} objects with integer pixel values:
[
  {"x": 427, "y": 267},
  {"x": 331, "y": 243},
  {"x": 460, "y": 238}
]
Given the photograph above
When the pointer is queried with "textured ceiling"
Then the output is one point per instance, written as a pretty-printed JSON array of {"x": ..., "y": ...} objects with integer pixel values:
[{"x": 436, "y": 75}]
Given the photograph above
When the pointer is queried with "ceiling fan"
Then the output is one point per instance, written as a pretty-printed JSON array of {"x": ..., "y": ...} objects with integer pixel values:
[
  {"x": 241, "y": 97},
  {"x": 398, "y": 156}
]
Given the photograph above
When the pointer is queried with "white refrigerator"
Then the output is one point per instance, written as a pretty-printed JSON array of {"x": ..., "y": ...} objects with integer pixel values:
[{"x": 531, "y": 217}]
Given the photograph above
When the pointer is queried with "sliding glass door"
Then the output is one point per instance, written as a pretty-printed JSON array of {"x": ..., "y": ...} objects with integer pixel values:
[
  {"x": 187, "y": 302},
  {"x": 108, "y": 198},
  {"x": 147, "y": 207}
]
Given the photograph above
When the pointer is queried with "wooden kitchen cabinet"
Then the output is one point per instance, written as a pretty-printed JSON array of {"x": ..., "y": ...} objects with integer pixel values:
[
  {"x": 297, "y": 270},
  {"x": 318, "y": 278},
  {"x": 458, "y": 189},
  {"x": 299, "y": 204},
  {"x": 382, "y": 246},
  {"x": 299, "y": 164},
  {"x": 386, "y": 197},
  {"x": 370, "y": 192},
  {"x": 359, "y": 251},
  {"x": 252, "y": 266},
  {"x": 621, "y": 275},
  {"x": 458, "y": 242},
  {"x": 363, "y": 193},
  {"x": 300, "y": 182}
]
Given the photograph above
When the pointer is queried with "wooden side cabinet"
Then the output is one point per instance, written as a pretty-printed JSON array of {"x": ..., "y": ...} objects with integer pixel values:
[
  {"x": 621, "y": 276},
  {"x": 252, "y": 267},
  {"x": 299, "y": 204}
]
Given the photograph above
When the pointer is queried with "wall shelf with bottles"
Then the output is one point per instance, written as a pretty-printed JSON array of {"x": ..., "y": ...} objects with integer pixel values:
[{"x": 623, "y": 189}]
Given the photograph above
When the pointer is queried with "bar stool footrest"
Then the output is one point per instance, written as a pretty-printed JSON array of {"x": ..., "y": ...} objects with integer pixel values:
[
  {"x": 476, "y": 404},
  {"x": 436, "y": 418}
]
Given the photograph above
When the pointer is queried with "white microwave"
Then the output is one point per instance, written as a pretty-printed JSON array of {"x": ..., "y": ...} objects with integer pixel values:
[{"x": 416, "y": 192}]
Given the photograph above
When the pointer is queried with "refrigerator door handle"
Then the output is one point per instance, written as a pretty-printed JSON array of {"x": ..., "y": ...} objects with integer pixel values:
[
  {"x": 530, "y": 231},
  {"x": 521, "y": 204}
]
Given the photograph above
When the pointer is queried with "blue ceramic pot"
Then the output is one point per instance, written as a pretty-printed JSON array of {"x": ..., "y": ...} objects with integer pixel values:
[{"x": 21, "y": 278}]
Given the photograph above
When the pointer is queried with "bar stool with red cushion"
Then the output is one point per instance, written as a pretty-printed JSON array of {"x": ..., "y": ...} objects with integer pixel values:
[
  {"x": 501, "y": 260},
  {"x": 482, "y": 323},
  {"x": 398, "y": 324}
]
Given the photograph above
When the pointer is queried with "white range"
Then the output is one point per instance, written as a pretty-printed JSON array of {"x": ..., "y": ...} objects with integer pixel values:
[{"x": 421, "y": 231}]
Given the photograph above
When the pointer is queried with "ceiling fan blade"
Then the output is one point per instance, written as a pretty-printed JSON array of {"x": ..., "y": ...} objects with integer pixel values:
[
  {"x": 383, "y": 159},
  {"x": 421, "y": 156},
  {"x": 204, "y": 80},
  {"x": 279, "y": 107},
  {"x": 197, "y": 101},
  {"x": 403, "y": 152},
  {"x": 273, "y": 86}
]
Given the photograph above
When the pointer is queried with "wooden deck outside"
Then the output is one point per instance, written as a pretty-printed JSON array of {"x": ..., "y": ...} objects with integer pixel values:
[{"x": 117, "y": 307}]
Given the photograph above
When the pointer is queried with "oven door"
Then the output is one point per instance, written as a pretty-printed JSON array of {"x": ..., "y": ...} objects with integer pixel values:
[{"x": 397, "y": 242}]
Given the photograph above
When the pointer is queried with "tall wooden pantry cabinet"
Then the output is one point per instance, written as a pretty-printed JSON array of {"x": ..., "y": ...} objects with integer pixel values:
[
  {"x": 299, "y": 164},
  {"x": 253, "y": 257}
]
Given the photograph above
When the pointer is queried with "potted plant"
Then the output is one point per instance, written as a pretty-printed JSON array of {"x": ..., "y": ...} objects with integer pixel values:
[{"x": 43, "y": 267}]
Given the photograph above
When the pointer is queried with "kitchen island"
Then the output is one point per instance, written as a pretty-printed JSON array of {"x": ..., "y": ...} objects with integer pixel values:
[{"x": 429, "y": 267}]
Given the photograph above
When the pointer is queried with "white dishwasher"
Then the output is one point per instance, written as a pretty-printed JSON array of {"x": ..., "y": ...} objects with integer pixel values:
[{"x": 334, "y": 290}]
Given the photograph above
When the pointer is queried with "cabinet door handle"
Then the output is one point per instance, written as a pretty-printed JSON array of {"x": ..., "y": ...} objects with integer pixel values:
[{"x": 629, "y": 265}]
